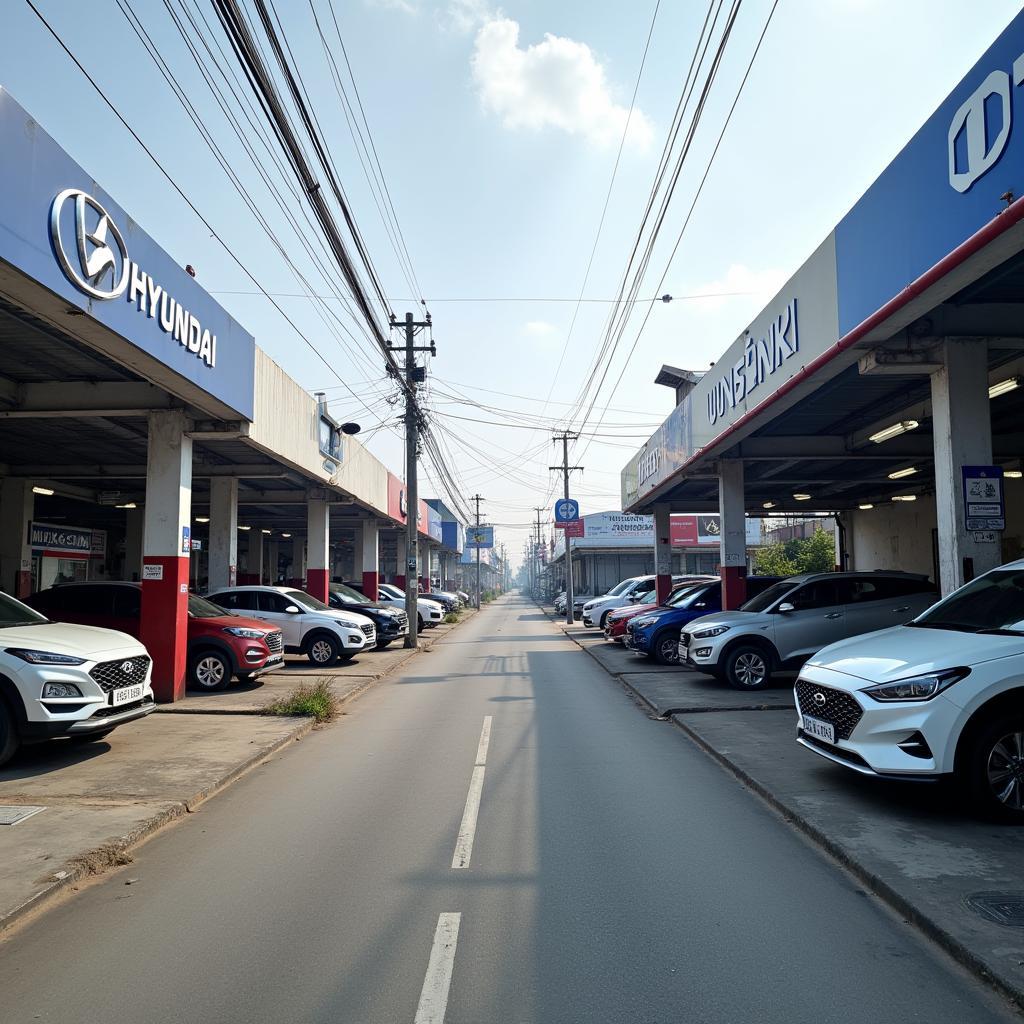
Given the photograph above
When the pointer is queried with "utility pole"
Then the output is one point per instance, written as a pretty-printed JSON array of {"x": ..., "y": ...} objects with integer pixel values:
[
  {"x": 536, "y": 552},
  {"x": 566, "y": 469},
  {"x": 477, "y": 499},
  {"x": 413, "y": 375}
]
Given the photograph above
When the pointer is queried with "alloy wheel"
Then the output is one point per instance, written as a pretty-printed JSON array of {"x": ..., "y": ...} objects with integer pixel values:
[
  {"x": 322, "y": 651},
  {"x": 209, "y": 672},
  {"x": 1006, "y": 770},
  {"x": 750, "y": 669},
  {"x": 668, "y": 650}
]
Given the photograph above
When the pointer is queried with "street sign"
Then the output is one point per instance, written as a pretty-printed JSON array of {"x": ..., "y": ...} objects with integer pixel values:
[
  {"x": 573, "y": 529},
  {"x": 984, "y": 508},
  {"x": 479, "y": 536},
  {"x": 567, "y": 510}
]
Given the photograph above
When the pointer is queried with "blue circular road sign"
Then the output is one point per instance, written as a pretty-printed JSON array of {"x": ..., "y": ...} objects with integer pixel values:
[{"x": 567, "y": 510}]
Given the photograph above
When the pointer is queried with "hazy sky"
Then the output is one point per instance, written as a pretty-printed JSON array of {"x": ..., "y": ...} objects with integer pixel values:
[{"x": 497, "y": 129}]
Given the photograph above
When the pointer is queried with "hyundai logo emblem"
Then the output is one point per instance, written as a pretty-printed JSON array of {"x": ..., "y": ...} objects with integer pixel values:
[
  {"x": 127, "y": 667},
  {"x": 101, "y": 250},
  {"x": 820, "y": 699}
]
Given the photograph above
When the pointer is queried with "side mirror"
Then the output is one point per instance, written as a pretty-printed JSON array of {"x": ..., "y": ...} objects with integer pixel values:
[
  {"x": 785, "y": 608},
  {"x": 293, "y": 609}
]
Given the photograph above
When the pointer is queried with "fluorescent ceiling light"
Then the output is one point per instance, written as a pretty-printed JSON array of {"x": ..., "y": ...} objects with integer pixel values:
[
  {"x": 1004, "y": 387},
  {"x": 202, "y": 519},
  {"x": 899, "y": 474},
  {"x": 904, "y": 497},
  {"x": 894, "y": 431},
  {"x": 1013, "y": 474},
  {"x": 127, "y": 504},
  {"x": 768, "y": 504},
  {"x": 42, "y": 490},
  {"x": 245, "y": 527},
  {"x": 802, "y": 497},
  {"x": 266, "y": 531},
  {"x": 866, "y": 506},
  {"x": 285, "y": 534}
]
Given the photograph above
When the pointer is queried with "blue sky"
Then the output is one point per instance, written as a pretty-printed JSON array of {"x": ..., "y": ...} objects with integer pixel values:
[{"x": 497, "y": 129}]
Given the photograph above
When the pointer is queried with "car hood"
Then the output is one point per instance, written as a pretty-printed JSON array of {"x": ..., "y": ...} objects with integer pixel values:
[
  {"x": 340, "y": 613},
  {"x": 428, "y": 603},
  {"x": 90, "y": 642},
  {"x": 633, "y": 609},
  {"x": 238, "y": 620},
  {"x": 903, "y": 651},
  {"x": 729, "y": 619},
  {"x": 365, "y": 609}
]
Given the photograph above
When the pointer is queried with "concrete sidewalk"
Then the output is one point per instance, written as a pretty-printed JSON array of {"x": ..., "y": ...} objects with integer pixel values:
[
  {"x": 89, "y": 805},
  {"x": 945, "y": 871}
]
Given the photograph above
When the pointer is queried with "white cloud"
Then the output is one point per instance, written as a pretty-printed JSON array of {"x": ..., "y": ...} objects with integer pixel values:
[
  {"x": 466, "y": 16},
  {"x": 557, "y": 83},
  {"x": 739, "y": 286},
  {"x": 539, "y": 328},
  {"x": 405, "y": 6}
]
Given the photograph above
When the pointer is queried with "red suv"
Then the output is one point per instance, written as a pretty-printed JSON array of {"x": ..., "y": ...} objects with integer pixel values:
[{"x": 220, "y": 645}]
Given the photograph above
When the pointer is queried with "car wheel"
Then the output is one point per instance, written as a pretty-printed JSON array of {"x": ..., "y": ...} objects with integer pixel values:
[
  {"x": 82, "y": 738},
  {"x": 209, "y": 671},
  {"x": 323, "y": 650},
  {"x": 748, "y": 667},
  {"x": 604, "y": 620},
  {"x": 381, "y": 644},
  {"x": 995, "y": 770},
  {"x": 419, "y": 619},
  {"x": 9, "y": 740},
  {"x": 665, "y": 647}
]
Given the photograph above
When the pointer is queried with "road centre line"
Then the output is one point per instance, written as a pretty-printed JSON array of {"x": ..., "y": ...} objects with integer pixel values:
[
  {"x": 434, "y": 996},
  {"x": 467, "y": 830}
]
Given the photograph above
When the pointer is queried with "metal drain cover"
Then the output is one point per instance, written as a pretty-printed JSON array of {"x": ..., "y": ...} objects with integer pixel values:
[
  {"x": 11, "y": 814},
  {"x": 1006, "y": 908}
]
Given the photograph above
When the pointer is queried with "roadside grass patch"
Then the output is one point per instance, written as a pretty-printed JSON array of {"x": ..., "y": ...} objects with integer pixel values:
[
  {"x": 315, "y": 700},
  {"x": 451, "y": 618}
]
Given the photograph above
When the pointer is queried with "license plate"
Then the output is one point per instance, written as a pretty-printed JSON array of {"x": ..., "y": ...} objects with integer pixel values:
[
  {"x": 125, "y": 695},
  {"x": 274, "y": 659},
  {"x": 684, "y": 651},
  {"x": 820, "y": 730}
]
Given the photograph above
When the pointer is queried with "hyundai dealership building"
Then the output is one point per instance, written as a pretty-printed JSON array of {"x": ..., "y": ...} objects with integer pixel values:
[{"x": 883, "y": 381}]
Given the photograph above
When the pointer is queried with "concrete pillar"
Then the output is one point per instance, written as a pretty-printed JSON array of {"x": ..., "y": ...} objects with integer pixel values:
[
  {"x": 223, "y": 563},
  {"x": 253, "y": 556},
  {"x": 400, "y": 560},
  {"x": 17, "y": 505},
  {"x": 167, "y": 548},
  {"x": 273, "y": 561},
  {"x": 662, "y": 551},
  {"x": 369, "y": 557},
  {"x": 733, "y": 538},
  {"x": 133, "y": 518},
  {"x": 318, "y": 520},
  {"x": 962, "y": 436}
]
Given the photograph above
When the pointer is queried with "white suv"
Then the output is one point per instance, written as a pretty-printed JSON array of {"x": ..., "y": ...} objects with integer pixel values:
[
  {"x": 58, "y": 679},
  {"x": 596, "y": 610},
  {"x": 308, "y": 626},
  {"x": 941, "y": 695},
  {"x": 429, "y": 613}
]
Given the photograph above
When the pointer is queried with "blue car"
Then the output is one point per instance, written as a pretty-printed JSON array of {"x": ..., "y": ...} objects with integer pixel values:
[{"x": 656, "y": 634}]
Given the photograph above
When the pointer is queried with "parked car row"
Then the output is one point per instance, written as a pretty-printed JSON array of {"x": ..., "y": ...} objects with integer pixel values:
[
  {"x": 72, "y": 662},
  {"x": 891, "y": 682}
]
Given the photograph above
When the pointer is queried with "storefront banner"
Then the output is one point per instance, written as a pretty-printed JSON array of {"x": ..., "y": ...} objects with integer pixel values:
[
  {"x": 434, "y": 530},
  {"x": 60, "y": 540},
  {"x": 453, "y": 536}
]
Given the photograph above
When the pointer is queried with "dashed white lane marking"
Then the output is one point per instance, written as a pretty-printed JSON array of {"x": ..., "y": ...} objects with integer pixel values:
[
  {"x": 434, "y": 997},
  {"x": 467, "y": 830}
]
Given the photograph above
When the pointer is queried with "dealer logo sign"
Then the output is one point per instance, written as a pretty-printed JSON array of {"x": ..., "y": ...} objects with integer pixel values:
[{"x": 98, "y": 264}]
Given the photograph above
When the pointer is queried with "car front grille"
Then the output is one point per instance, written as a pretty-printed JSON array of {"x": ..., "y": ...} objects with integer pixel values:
[
  {"x": 401, "y": 620},
  {"x": 275, "y": 642},
  {"x": 368, "y": 629},
  {"x": 112, "y": 675},
  {"x": 838, "y": 707},
  {"x": 120, "y": 709}
]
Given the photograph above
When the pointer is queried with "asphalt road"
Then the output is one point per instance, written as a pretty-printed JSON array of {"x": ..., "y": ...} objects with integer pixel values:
[{"x": 615, "y": 875}]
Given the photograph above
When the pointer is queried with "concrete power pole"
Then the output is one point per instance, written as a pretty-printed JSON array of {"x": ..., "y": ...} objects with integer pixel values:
[
  {"x": 536, "y": 551},
  {"x": 477, "y": 499},
  {"x": 413, "y": 375},
  {"x": 565, "y": 469}
]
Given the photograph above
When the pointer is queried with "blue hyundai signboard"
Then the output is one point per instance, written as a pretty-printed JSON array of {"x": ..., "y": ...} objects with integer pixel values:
[
  {"x": 946, "y": 184},
  {"x": 59, "y": 228}
]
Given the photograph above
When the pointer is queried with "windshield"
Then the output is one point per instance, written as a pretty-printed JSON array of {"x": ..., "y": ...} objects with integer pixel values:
[
  {"x": 304, "y": 600},
  {"x": 393, "y": 591},
  {"x": 200, "y": 608},
  {"x": 688, "y": 596},
  {"x": 651, "y": 597},
  {"x": 993, "y": 602},
  {"x": 348, "y": 595},
  {"x": 620, "y": 587},
  {"x": 14, "y": 613},
  {"x": 768, "y": 598}
]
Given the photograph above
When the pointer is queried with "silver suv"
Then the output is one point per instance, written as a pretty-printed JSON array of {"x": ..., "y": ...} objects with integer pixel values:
[{"x": 782, "y": 627}]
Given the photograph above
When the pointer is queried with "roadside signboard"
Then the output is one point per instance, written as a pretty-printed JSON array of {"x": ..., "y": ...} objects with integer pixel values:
[
  {"x": 573, "y": 529},
  {"x": 567, "y": 510},
  {"x": 984, "y": 507},
  {"x": 479, "y": 536}
]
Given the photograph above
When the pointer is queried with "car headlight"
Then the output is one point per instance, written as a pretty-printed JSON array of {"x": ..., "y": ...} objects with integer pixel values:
[
  {"x": 644, "y": 621},
  {"x": 704, "y": 634},
  {"x": 44, "y": 657},
  {"x": 245, "y": 631},
  {"x": 348, "y": 623},
  {"x": 917, "y": 688},
  {"x": 61, "y": 690}
]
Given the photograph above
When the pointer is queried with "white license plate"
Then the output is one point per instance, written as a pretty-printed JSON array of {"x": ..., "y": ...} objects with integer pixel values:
[
  {"x": 684, "y": 651},
  {"x": 820, "y": 730},
  {"x": 125, "y": 695}
]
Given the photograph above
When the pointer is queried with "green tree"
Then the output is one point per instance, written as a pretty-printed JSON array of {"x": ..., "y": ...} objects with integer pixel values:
[{"x": 808, "y": 554}]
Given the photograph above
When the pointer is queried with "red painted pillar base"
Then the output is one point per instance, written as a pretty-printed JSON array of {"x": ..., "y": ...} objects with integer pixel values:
[
  {"x": 371, "y": 584},
  {"x": 23, "y": 584},
  {"x": 425, "y": 584},
  {"x": 663, "y": 585},
  {"x": 400, "y": 582},
  {"x": 317, "y": 581},
  {"x": 734, "y": 586},
  {"x": 164, "y": 624}
]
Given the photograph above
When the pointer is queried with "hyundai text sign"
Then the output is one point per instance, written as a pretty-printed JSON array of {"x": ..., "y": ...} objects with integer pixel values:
[{"x": 74, "y": 248}]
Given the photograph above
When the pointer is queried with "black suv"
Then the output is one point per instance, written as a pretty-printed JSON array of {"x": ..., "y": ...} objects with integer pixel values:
[{"x": 391, "y": 623}]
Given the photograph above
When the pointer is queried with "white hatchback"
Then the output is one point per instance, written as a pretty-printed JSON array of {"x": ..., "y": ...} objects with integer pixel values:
[{"x": 942, "y": 695}]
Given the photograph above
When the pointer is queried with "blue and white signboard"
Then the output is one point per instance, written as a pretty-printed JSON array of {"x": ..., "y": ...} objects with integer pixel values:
[
  {"x": 567, "y": 510},
  {"x": 984, "y": 507},
  {"x": 479, "y": 536}
]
